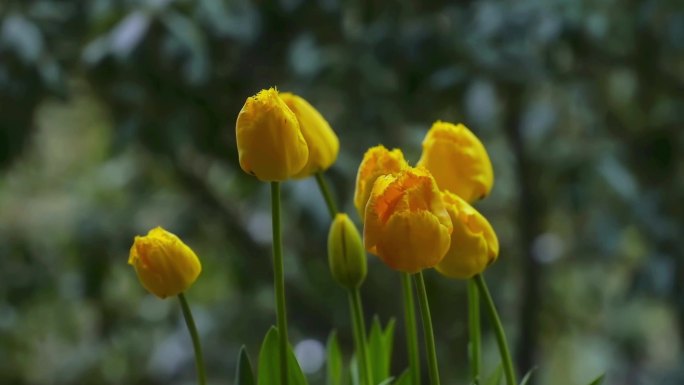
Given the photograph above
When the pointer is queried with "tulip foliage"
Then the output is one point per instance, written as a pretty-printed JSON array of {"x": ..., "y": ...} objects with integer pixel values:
[{"x": 414, "y": 218}]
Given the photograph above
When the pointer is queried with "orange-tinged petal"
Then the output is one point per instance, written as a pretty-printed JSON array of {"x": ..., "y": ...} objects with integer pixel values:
[
  {"x": 376, "y": 161},
  {"x": 269, "y": 140},
  {"x": 321, "y": 139},
  {"x": 474, "y": 244},
  {"x": 406, "y": 223},
  {"x": 458, "y": 161}
]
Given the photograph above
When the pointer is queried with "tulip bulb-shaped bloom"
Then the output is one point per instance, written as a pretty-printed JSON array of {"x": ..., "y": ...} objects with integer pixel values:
[
  {"x": 406, "y": 224},
  {"x": 458, "y": 161},
  {"x": 346, "y": 255},
  {"x": 269, "y": 141},
  {"x": 474, "y": 244},
  {"x": 376, "y": 161},
  {"x": 165, "y": 265},
  {"x": 321, "y": 139}
]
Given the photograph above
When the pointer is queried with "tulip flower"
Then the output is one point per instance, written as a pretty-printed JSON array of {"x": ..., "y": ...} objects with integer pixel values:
[
  {"x": 270, "y": 143},
  {"x": 406, "y": 223},
  {"x": 164, "y": 264},
  {"x": 346, "y": 255},
  {"x": 376, "y": 161},
  {"x": 458, "y": 161},
  {"x": 319, "y": 136},
  {"x": 474, "y": 244}
]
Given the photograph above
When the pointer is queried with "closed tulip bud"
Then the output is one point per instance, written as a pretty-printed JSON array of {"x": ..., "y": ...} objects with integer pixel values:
[
  {"x": 321, "y": 139},
  {"x": 376, "y": 161},
  {"x": 269, "y": 141},
  {"x": 346, "y": 255},
  {"x": 406, "y": 224},
  {"x": 165, "y": 265},
  {"x": 458, "y": 161},
  {"x": 474, "y": 245}
]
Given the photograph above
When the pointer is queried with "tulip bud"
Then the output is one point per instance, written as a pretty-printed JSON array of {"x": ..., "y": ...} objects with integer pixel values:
[
  {"x": 346, "y": 255},
  {"x": 165, "y": 265},
  {"x": 321, "y": 139},
  {"x": 407, "y": 225},
  {"x": 458, "y": 161},
  {"x": 269, "y": 141},
  {"x": 376, "y": 161},
  {"x": 474, "y": 244}
]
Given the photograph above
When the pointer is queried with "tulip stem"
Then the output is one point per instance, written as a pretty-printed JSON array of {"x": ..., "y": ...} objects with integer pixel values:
[
  {"x": 332, "y": 209},
  {"x": 427, "y": 328},
  {"x": 474, "y": 330},
  {"x": 360, "y": 337},
  {"x": 509, "y": 372},
  {"x": 190, "y": 322},
  {"x": 279, "y": 281},
  {"x": 410, "y": 326}
]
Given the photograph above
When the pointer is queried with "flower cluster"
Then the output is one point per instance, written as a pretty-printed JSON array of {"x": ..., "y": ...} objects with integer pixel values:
[{"x": 420, "y": 217}]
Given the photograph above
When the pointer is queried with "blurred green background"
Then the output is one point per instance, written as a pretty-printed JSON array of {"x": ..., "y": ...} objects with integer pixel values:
[{"x": 118, "y": 116}]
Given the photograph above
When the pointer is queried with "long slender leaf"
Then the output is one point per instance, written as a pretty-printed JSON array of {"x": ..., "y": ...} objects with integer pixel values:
[
  {"x": 387, "y": 381},
  {"x": 404, "y": 379},
  {"x": 496, "y": 376},
  {"x": 527, "y": 376},
  {"x": 334, "y": 360},
  {"x": 380, "y": 349},
  {"x": 269, "y": 363},
  {"x": 243, "y": 373},
  {"x": 598, "y": 380}
]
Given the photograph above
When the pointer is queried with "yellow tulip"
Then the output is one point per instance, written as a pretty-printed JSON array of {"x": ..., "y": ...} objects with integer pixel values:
[
  {"x": 458, "y": 161},
  {"x": 406, "y": 223},
  {"x": 474, "y": 244},
  {"x": 269, "y": 141},
  {"x": 165, "y": 265},
  {"x": 346, "y": 255},
  {"x": 321, "y": 139},
  {"x": 376, "y": 161}
]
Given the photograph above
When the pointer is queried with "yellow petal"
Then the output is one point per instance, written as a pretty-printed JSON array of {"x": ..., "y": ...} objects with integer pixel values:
[
  {"x": 474, "y": 244},
  {"x": 406, "y": 223},
  {"x": 269, "y": 141},
  {"x": 458, "y": 161},
  {"x": 164, "y": 264},
  {"x": 376, "y": 161},
  {"x": 321, "y": 139}
]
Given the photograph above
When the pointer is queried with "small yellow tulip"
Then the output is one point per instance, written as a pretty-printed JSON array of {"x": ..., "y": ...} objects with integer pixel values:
[
  {"x": 376, "y": 161},
  {"x": 474, "y": 244},
  {"x": 165, "y": 265},
  {"x": 458, "y": 161},
  {"x": 346, "y": 255},
  {"x": 406, "y": 223},
  {"x": 269, "y": 141},
  {"x": 321, "y": 139}
]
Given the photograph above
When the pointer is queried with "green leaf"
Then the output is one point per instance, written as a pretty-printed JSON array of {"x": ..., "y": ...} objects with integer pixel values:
[
  {"x": 495, "y": 377},
  {"x": 527, "y": 376},
  {"x": 269, "y": 362},
  {"x": 598, "y": 380},
  {"x": 354, "y": 371},
  {"x": 377, "y": 351},
  {"x": 388, "y": 339},
  {"x": 387, "y": 381},
  {"x": 244, "y": 374},
  {"x": 405, "y": 378},
  {"x": 334, "y": 360}
]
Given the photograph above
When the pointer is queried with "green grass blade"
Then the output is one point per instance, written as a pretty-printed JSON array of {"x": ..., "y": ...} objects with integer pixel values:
[
  {"x": 527, "y": 376},
  {"x": 243, "y": 373},
  {"x": 333, "y": 361},
  {"x": 496, "y": 376},
  {"x": 598, "y": 380}
]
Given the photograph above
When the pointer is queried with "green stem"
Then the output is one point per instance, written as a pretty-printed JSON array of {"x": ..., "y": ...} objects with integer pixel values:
[
  {"x": 474, "y": 330},
  {"x": 332, "y": 209},
  {"x": 427, "y": 328},
  {"x": 360, "y": 337},
  {"x": 498, "y": 330},
  {"x": 411, "y": 332},
  {"x": 190, "y": 322},
  {"x": 279, "y": 281}
]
